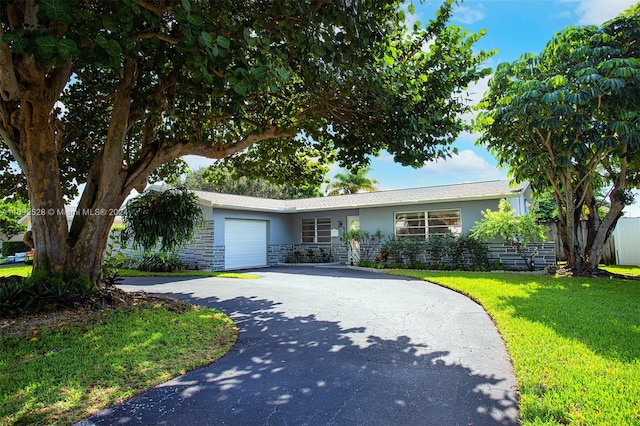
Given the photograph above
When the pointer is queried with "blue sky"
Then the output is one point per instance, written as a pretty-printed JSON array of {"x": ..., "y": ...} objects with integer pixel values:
[{"x": 514, "y": 27}]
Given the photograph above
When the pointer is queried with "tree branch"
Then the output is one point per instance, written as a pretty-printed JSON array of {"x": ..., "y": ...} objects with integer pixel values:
[
  {"x": 13, "y": 146},
  {"x": 160, "y": 36},
  {"x": 155, "y": 155},
  {"x": 8, "y": 81},
  {"x": 319, "y": 3},
  {"x": 119, "y": 122},
  {"x": 160, "y": 11}
]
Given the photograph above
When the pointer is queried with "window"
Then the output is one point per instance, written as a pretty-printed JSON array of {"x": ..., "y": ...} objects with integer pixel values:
[
  {"x": 444, "y": 222},
  {"x": 316, "y": 230},
  {"x": 410, "y": 224},
  {"x": 423, "y": 224}
]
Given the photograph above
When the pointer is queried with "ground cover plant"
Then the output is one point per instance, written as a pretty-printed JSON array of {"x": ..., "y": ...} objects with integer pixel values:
[
  {"x": 573, "y": 342},
  {"x": 63, "y": 366},
  {"x": 25, "y": 270}
]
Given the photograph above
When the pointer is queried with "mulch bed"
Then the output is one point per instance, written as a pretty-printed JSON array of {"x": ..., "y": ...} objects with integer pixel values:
[{"x": 87, "y": 312}]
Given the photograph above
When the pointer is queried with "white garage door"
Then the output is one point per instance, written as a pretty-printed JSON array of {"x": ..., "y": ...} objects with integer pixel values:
[{"x": 245, "y": 243}]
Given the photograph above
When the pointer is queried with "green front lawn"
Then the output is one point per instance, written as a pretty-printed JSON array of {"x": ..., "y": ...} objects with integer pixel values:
[
  {"x": 22, "y": 270},
  {"x": 76, "y": 363},
  {"x": 574, "y": 342},
  {"x": 631, "y": 271},
  {"x": 59, "y": 367}
]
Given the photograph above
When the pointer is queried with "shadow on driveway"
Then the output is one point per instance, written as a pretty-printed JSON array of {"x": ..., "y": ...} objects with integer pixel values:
[{"x": 298, "y": 369}]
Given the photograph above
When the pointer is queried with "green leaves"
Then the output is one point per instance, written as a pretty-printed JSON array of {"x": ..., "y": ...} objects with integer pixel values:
[
  {"x": 166, "y": 218},
  {"x": 223, "y": 42},
  {"x": 111, "y": 47},
  {"x": 566, "y": 120},
  {"x": 57, "y": 10}
]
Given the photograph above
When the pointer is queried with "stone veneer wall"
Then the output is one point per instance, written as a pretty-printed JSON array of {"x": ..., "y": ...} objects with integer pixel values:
[
  {"x": 507, "y": 255},
  {"x": 200, "y": 253},
  {"x": 279, "y": 253},
  {"x": 218, "y": 258},
  {"x": 283, "y": 253},
  {"x": 203, "y": 255}
]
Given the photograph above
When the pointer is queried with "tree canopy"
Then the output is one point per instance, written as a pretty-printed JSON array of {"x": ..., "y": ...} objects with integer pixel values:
[
  {"x": 111, "y": 93},
  {"x": 215, "y": 179},
  {"x": 351, "y": 183},
  {"x": 568, "y": 121},
  {"x": 10, "y": 213}
]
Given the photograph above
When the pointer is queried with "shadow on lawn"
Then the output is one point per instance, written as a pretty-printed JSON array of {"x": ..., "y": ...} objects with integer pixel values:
[
  {"x": 302, "y": 370},
  {"x": 602, "y": 314}
]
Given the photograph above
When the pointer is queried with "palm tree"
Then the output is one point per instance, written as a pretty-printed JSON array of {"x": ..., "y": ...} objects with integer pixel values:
[{"x": 351, "y": 183}]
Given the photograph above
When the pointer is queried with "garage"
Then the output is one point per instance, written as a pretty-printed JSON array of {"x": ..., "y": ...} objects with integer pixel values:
[{"x": 245, "y": 243}]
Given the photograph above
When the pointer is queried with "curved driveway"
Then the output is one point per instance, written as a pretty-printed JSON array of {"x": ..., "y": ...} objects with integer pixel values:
[{"x": 336, "y": 346}]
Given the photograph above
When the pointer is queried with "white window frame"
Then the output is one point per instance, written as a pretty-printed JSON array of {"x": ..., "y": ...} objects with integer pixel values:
[
  {"x": 424, "y": 216},
  {"x": 318, "y": 230}
]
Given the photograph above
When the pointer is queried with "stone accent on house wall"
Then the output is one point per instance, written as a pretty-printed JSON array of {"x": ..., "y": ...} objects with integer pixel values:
[
  {"x": 200, "y": 253},
  {"x": 218, "y": 258},
  {"x": 115, "y": 246},
  {"x": 507, "y": 255},
  {"x": 279, "y": 253},
  {"x": 321, "y": 253}
]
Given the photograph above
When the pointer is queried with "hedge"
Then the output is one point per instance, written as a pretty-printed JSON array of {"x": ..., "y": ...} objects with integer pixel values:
[{"x": 9, "y": 248}]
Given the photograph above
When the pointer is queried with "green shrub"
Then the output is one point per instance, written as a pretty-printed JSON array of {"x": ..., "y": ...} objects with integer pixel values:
[
  {"x": 437, "y": 247},
  {"x": 403, "y": 251},
  {"x": 477, "y": 251},
  {"x": 42, "y": 291},
  {"x": 392, "y": 249},
  {"x": 9, "y": 248},
  {"x": 368, "y": 243},
  {"x": 520, "y": 231},
  {"x": 13, "y": 296},
  {"x": 160, "y": 263}
]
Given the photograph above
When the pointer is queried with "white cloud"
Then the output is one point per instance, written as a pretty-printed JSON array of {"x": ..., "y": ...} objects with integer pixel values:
[
  {"x": 475, "y": 91},
  {"x": 468, "y": 15},
  {"x": 596, "y": 12},
  {"x": 473, "y": 96},
  {"x": 466, "y": 166}
]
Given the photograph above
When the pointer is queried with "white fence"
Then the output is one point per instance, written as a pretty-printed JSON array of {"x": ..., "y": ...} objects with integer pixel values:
[{"x": 627, "y": 241}]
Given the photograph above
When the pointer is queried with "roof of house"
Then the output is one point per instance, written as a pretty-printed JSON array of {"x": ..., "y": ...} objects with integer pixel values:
[{"x": 431, "y": 194}]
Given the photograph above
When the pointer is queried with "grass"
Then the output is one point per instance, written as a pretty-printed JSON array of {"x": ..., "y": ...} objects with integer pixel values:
[
  {"x": 22, "y": 270},
  {"x": 61, "y": 374},
  {"x": 64, "y": 371},
  {"x": 25, "y": 270},
  {"x": 136, "y": 273},
  {"x": 574, "y": 342},
  {"x": 631, "y": 271}
]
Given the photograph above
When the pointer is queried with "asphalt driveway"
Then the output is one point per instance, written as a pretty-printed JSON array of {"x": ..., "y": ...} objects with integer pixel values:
[{"x": 335, "y": 346}]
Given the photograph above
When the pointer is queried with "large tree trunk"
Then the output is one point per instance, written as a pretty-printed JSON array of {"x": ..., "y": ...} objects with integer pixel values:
[
  {"x": 48, "y": 219},
  {"x": 58, "y": 250},
  {"x": 599, "y": 231}
]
